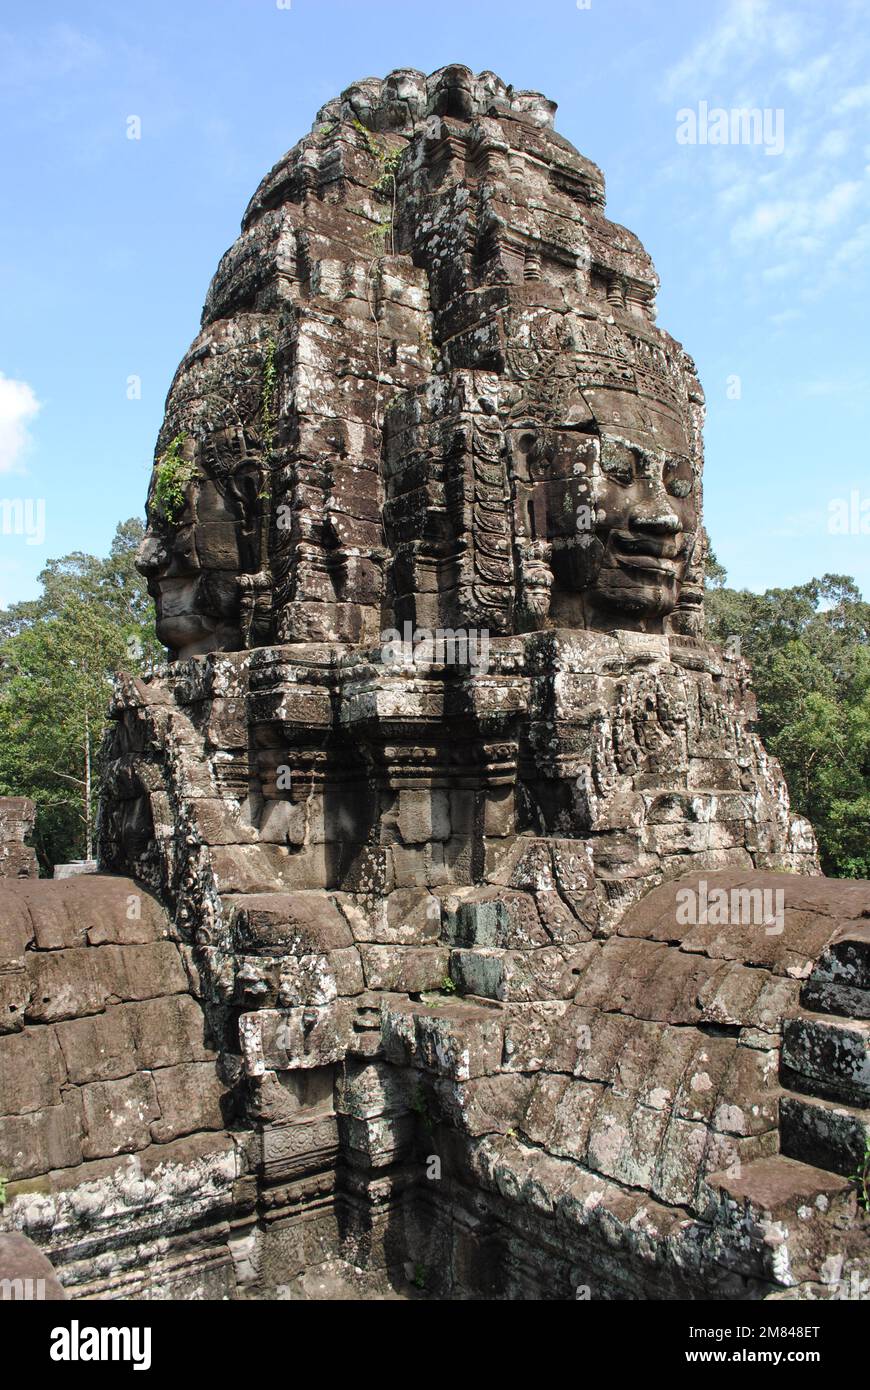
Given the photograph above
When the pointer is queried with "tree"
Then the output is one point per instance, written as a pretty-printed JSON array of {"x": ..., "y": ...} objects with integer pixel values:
[
  {"x": 58, "y": 654},
  {"x": 809, "y": 648}
]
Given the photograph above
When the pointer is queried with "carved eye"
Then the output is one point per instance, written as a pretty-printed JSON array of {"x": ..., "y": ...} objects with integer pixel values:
[
  {"x": 617, "y": 463},
  {"x": 678, "y": 477}
]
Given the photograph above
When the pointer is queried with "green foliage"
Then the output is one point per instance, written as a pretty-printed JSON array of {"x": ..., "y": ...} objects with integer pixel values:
[
  {"x": 2, "y": 1191},
  {"x": 378, "y": 238},
  {"x": 809, "y": 648},
  {"x": 715, "y": 574},
  {"x": 385, "y": 185},
  {"x": 385, "y": 189},
  {"x": 448, "y": 986},
  {"x": 420, "y": 1106},
  {"x": 58, "y": 654},
  {"x": 174, "y": 473},
  {"x": 370, "y": 146}
]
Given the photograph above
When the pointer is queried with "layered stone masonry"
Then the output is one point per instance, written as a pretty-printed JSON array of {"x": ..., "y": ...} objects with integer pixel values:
[{"x": 114, "y": 1147}]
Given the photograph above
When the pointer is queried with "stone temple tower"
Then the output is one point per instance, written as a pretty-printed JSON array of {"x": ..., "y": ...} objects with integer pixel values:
[{"x": 441, "y": 780}]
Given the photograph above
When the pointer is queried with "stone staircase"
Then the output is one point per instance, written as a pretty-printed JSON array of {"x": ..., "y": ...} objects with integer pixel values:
[
  {"x": 786, "y": 1221},
  {"x": 803, "y": 1198},
  {"x": 825, "y": 1060}
]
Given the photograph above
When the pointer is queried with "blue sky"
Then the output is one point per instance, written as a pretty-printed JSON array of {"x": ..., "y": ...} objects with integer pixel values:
[{"x": 107, "y": 244}]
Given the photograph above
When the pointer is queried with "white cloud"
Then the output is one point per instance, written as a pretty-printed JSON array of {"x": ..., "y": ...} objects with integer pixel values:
[
  {"x": 855, "y": 251},
  {"x": 800, "y": 216},
  {"x": 808, "y": 75},
  {"x": 853, "y": 99},
  {"x": 765, "y": 219},
  {"x": 18, "y": 409},
  {"x": 834, "y": 144},
  {"x": 731, "y": 47},
  {"x": 837, "y": 203}
]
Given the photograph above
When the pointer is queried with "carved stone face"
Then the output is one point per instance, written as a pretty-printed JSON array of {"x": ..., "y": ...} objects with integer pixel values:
[
  {"x": 193, "y": 563},
  {"x": 646, "y": 523},
  {"x": 619, "y": 521}
]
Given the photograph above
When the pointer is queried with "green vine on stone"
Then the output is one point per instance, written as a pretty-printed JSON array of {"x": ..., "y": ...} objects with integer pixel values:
[
  {"x": 385, "y": 189},
  {"x": 371, "y": 147},
  {"x": 174, "y": 473}
]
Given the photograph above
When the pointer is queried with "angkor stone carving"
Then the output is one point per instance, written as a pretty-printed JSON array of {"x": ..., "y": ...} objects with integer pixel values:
[
  {"x": 426, "y": 543},
  {"x": 428, "y": 386}
]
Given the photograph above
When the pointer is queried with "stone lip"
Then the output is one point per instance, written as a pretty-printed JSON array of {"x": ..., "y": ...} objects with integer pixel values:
[{"x": 74, "y": 868}]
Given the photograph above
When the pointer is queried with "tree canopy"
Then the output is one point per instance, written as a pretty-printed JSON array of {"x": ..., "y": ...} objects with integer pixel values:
[
  {"x": 58, "y": 654},
  {"x": 809, "y": 647}
]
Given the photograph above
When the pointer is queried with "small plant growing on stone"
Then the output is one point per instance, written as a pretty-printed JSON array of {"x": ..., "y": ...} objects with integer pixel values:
[
  {"x": 448, "y": 986},
  {"x": 174, "y": 473},
  {"x": 371, "y": 147},
  {"x": 420, "y": 1106},
  {"x": 385, "y": 185},
  {"x": 378, "y": 238},
  {"x": 862, "y": 1177},
  {"x": 2, "y": 1191},
  {"x": 385, "y": 189}
]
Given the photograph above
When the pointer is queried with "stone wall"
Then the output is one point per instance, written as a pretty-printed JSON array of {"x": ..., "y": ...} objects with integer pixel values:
[{"x": 113, "y": 1113}]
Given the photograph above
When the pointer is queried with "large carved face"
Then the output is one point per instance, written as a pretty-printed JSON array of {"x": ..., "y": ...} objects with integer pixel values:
[
  {"x": 618, "y": 522},
  {"x": 195, "y": 557}
]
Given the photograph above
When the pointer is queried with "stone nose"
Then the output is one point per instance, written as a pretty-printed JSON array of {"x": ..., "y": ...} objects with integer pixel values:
[
  {"x": 151, "y": 556},
  {"x": 654, "y": 514}
]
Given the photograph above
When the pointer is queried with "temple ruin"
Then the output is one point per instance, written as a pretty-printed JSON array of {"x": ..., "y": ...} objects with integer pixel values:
[{"x": 453, "y": 936}]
